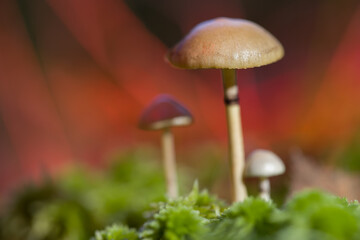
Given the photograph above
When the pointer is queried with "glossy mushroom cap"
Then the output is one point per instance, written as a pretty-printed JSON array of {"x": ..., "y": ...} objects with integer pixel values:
[
  {"x": 164, "y": 112},
  {"x": 227, "y": 44},
  {"x": 264, "y": 163}
]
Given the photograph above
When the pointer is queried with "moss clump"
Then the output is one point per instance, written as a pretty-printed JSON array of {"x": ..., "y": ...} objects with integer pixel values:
[
  {"x": 179, "y": 222},
  {"x": 116, "y": 232},
  {"x": 319, "y": 215},
  {"x": 310, "y": 215}
]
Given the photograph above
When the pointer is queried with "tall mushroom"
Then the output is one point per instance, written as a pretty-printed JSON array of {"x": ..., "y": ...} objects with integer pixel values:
[
  {"x": 228, "y": 44},
  {"x": 264, "y": 164},
  {"x": 163, "y": 114}
]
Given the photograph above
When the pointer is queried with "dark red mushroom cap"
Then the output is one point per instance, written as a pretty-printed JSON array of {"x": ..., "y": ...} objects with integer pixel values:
[{"x": 164, "y": 112}]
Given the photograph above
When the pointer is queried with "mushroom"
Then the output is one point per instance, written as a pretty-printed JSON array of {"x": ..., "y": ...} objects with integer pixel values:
[
  {"x": 163, "y": 114},
  {"x": 264, "y": 164},
  {"x": 228, "y": 44}
]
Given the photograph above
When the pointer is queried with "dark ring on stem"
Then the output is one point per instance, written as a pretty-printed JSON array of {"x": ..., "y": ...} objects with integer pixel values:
[{"x": 231, "y": 101}]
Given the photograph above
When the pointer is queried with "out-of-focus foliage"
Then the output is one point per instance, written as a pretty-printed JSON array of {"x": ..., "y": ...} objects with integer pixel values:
[
  {"x": 209, "y": 164},
  {"x": 123, "y": 192},
  {"x": 323, "y": 216},
  {"x": 116, "y": 232},
  {"x": 349, "y": 157},
  {"x": 45, "y": 211},
  {"x": 76, "y": 204}
]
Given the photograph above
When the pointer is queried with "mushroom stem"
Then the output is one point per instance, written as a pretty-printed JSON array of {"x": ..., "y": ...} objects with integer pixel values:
[
  {"x": 168, "y": 151},
  {"x": 265, "y": 189},
  {"x": 236, "y": 143}
]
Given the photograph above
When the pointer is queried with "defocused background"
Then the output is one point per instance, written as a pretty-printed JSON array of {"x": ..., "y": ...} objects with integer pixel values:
[{"x": 75, "y": 75}]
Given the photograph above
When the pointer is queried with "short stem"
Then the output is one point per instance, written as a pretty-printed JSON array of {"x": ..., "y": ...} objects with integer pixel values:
[
  {"x": 169, "y": 163},
  {"x": 236, "y": 144},
  {"x": 265, "y": 189}
]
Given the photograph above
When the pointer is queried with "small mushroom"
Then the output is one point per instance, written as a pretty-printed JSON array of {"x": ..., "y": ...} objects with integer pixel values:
[
  {"x": 228, "y": 44},
  {"x": 163, "y": 114},
  {"x": 264, "y": 164}
]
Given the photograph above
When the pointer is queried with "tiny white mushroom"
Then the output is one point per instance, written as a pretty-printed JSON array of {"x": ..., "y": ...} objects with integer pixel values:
[{"x": 264, "y": 164}]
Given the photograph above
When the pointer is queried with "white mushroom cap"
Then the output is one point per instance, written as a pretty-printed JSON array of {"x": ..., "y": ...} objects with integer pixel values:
[{"x": 264, "y": 163}]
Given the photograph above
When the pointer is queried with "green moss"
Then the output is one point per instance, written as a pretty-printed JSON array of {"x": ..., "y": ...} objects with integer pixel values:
[
  {"x": 209, "y": 206},
  {"x": 318, "y": 213},
  {"x": 183, "y": 218},
  {"x": 82, "y": 200},
  {"x": 74, "y": 206},
  {"x": 116, "y": 232},
  {"x": 179, "y": 222},
  {"x": 252, "y": 219}
]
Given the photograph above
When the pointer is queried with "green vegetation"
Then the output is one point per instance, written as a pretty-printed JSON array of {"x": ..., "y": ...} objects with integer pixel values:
[
  {"x": 81, "y": 203},
  {"x": 116, "y": 232},
  {"x": 348, "y": 157},
  {"x": 174, "y": 223},
  {"x": 311, "y": 215},
  {"x": 252, "y": 219},
  {"x": 183, "y": 218},
  {"x": 83, "y": 200}
]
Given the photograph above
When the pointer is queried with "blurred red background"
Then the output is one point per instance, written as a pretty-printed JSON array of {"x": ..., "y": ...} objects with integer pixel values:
[{"x": 75, "y": 75}]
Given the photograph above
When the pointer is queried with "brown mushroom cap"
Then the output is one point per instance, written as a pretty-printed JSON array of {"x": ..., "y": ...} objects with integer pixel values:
[
  {"x": 227, "y": 44},
  {"x": 264, "y": 163},
  {"x": 164, "y": 112}
]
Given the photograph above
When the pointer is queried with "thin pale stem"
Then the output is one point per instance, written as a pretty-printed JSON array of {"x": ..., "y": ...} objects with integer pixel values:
[
  {"x": 236, "y": 143},
  {"x": 265, "y": 189},
  {"x": 168, "y": 151}
]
